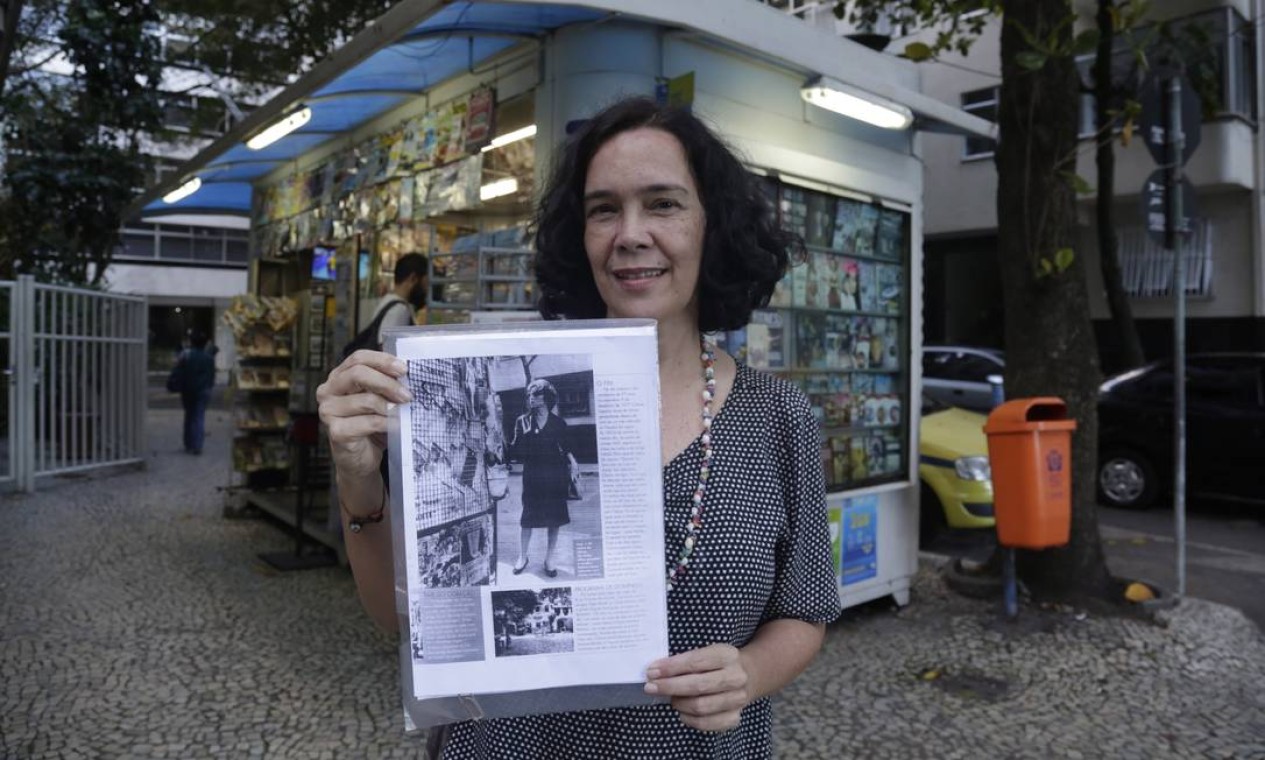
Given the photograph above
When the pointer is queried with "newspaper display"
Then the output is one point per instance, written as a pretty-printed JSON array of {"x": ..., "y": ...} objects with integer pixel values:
[{"x": 513, "y": 429}]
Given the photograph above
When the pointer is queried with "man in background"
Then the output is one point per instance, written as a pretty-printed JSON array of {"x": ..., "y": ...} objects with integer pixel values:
[
  {"x": 196, "y": 368},
  {"x": 410, "y": 289}
]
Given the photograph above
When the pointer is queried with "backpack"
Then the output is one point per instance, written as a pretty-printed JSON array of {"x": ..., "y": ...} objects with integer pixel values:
[
  {"x": 368, "y": 337},
  {"x": 178, "y": 377}
]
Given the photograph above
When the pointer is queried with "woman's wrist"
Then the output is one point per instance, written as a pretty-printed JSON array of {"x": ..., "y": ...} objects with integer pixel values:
[
  {"x": 362, "y": 499},
  {"x": 357, "y": 522}
]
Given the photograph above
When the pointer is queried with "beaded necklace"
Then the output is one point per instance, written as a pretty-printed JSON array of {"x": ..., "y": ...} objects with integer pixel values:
[{"x": 695, "y": 523}]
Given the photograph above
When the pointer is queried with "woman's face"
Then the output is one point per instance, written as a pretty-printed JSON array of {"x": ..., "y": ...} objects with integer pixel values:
[
  {"x": 644, "y": 226},
  {"x": 536, "y": 399}
]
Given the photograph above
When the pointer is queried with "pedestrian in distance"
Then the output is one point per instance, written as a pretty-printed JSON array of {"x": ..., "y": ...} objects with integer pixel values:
[
  {"x": 540, "y": 443},
  {"x": 649, "y": 215},
  {"x": 193, "y": 377}
]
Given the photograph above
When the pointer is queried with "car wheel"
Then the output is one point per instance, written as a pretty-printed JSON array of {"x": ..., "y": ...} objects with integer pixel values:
[
  {"x": 1126, "y": 479},
  {"x": 931, "y": 521}
]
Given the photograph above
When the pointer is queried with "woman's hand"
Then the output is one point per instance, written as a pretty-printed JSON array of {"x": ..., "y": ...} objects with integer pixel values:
[
  {"x": 708, "y": 686},
  {"x": 354, "y": 401}
]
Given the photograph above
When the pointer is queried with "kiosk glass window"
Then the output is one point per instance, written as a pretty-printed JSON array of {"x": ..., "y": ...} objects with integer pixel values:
[{"x": 838, "y": 327}]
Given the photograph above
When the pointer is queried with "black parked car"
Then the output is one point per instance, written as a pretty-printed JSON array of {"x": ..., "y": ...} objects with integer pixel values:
[{"x": 1225, "y": 430}]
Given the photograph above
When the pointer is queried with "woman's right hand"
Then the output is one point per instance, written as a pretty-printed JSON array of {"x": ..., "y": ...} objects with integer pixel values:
[{"x": 353, "y": 402}]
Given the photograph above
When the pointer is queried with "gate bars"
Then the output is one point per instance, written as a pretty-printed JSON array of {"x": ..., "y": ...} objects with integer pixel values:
[{"x": 76, "y": 363}]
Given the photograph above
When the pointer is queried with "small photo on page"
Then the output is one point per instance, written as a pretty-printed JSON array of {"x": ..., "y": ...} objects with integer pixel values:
[{"x": 527, "y": 622}]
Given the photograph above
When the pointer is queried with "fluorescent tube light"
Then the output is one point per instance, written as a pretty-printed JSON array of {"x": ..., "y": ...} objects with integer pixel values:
[
  {"x": 515, "y": 136},
  {"x": 184, "y": 191},
  {"x": 498, "y": 188},
  {"x": 280, "y": 129},
  {"x": 856, "y": 104}
]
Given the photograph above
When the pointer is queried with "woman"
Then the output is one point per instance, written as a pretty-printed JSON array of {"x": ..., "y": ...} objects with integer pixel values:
[
  {"x": 649, "y": 215},
  {"x": 540, "y": 443}
]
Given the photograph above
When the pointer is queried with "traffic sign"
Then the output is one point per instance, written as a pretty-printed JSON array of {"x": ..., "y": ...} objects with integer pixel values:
[
  {"x": 1153, "y": 192},
  {"x": 1152, "y": 119}
]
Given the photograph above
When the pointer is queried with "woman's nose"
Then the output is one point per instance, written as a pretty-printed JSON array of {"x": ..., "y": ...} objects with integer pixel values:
[{"x": 633, "y": 231}]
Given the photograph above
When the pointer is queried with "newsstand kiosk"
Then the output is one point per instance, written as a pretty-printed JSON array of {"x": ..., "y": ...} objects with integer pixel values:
[{"x": 433, "y": 128}]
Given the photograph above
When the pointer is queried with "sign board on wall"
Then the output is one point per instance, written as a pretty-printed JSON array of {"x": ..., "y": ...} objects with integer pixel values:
[{"x": 858, "y": 559}]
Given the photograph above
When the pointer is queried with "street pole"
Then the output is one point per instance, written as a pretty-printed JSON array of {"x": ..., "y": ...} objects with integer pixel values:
[{"x": 1174, "y": 217}]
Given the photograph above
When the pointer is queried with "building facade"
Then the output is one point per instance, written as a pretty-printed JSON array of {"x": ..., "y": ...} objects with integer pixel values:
[{"x": 1225, "y": 285}]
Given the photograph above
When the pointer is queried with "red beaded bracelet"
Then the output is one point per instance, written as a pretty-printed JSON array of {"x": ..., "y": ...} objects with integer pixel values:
[{"x": 356, "y": 524}]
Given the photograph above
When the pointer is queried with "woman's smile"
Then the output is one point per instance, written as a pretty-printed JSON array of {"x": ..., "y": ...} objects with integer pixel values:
[{"x": 638, "y": 278}]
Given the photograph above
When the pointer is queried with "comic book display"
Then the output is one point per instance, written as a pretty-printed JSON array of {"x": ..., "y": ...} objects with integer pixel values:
[
  {"x": 428, "y": 165},
  {"x": 837, "y": 326},
  {"x": 262, "y": 328}
]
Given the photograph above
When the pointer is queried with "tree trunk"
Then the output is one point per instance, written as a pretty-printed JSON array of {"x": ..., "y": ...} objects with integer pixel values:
[
  {"x": 10, "y": 14},
  {"x": 1130, "y": 346},
  {"x": 1050, "y": 346}
]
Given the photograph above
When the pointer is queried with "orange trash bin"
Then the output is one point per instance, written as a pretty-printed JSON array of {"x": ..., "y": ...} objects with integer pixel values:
[{"x": 1029, "y": 452}]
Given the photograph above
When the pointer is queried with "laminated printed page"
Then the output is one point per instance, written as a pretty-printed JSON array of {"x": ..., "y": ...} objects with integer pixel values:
[{"x": 530, "y": 503}]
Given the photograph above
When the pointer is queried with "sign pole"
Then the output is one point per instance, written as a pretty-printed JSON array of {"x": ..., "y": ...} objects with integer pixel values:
[{"x": 1174, "y": 218}]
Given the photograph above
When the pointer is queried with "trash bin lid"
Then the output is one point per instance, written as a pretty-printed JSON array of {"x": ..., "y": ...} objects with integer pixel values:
[{"x": 1024, "y": 415}]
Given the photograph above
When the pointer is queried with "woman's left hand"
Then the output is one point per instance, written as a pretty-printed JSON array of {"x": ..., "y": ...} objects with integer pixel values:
[{"x": 708, "y": 686}]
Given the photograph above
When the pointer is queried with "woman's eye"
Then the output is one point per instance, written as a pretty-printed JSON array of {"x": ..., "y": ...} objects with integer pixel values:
[
  {"x": 664, "y": 204},
  {"x": 602, "y": 210}
]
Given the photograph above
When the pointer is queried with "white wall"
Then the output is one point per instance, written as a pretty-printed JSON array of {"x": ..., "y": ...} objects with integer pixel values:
[
  {"x": 185, "y": 284},
  {"x": 961, "y": 195}
]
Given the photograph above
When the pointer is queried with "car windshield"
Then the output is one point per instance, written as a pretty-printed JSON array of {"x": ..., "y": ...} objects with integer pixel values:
[{"x": 931, "y": 406}]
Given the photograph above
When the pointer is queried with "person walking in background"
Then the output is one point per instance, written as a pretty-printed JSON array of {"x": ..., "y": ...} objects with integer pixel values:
[
  {"x": 540, "y": 443},
  {"x": 193, "y": 378}
]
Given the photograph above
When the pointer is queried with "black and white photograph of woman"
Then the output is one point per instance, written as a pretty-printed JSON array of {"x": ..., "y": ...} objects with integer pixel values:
[{"x": 549, "y": 524}]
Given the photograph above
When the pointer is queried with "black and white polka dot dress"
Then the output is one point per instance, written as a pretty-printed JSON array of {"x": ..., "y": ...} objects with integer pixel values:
[{"x": 763, "y": 553}]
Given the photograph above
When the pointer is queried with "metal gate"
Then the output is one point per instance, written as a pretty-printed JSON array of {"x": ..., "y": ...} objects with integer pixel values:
[{"x": 76, "y": 367}]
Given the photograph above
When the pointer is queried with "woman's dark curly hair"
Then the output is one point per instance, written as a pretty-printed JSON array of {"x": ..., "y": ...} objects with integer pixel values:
[{"x": 745, "y": 251}]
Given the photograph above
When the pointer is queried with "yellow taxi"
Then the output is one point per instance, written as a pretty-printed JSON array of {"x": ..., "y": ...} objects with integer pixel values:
[{"x": 957, "y": 486}]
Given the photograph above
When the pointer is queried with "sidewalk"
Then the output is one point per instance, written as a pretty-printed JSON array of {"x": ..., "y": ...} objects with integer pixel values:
[{"x": 136, "y": 622}]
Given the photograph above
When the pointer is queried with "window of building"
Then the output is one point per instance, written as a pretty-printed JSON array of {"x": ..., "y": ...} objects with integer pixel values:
[
  {"x": 981, "y": 103},
  {"x": 1146, "y": 268},
  {"x": 211, "y": 245},
  {"x": 1217, "y": 50}
]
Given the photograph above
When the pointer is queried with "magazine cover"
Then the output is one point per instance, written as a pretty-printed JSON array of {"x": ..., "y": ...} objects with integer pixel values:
[
  {"x": 527, "y": 517},
  {"x": 869, "y": 286},
  {"x": 867, "y": 228},
  {"x": 891, "y": 235},
  {"x": 889, "y": 288},
  {"x": 820, "y": 219}
]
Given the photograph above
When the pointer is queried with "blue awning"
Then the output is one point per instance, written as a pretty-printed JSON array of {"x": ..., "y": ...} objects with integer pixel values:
[
  {"x": 213, "y": 198},
  {"x": 457, "y": 37},
  {"x": 419, "y": 44}
]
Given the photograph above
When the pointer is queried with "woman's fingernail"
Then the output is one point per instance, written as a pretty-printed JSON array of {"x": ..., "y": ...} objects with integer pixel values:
[
  {"x": 652, "y": 673},
  {"x": 652, "y": 688},
  {"x": 399, "y": 366}
]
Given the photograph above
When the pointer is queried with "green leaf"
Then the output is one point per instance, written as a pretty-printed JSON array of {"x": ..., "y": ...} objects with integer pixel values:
[
  {"x": 1044, "y": 267},
  {"x": 1063, "y": 258},
  {"x": 1079, "y": 183},
  {"x": 918, "y": 51},
  {"x": 1031, "y": 60},
  {"x": 1086, "y": 42}
]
